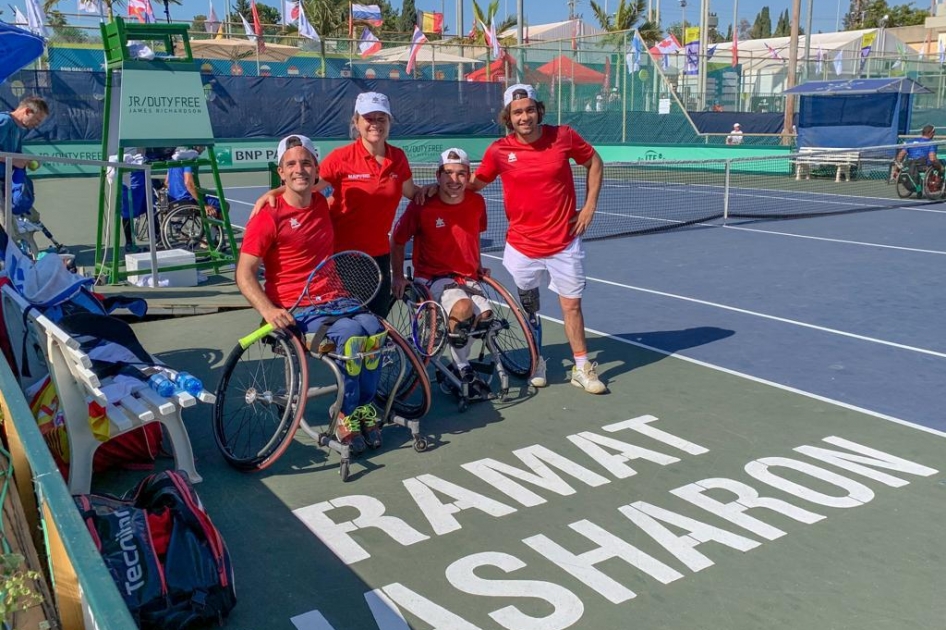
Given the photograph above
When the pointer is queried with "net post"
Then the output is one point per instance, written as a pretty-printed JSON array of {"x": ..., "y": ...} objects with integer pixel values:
[{"x": 726, "y": 192}]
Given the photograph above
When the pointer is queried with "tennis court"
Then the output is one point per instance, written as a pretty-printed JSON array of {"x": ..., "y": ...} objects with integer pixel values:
[{"x": 770, "y": 454}]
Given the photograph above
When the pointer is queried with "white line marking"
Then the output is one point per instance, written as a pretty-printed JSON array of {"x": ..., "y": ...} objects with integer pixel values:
[
  {"x": 923, "y": 209},
  {"x": 755, "y": 379},
  {"x": 783, "y": 320},
  {"x": 836, "y": 240},
  {"x": 245, "y": 203}
]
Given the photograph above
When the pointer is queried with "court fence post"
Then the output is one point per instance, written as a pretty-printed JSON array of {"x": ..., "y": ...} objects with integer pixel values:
[{"x": 726, "y": 192}]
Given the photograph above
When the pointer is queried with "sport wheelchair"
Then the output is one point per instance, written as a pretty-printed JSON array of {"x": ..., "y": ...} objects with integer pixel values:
[
  {"x": 179, "y": 225},
  {"x": 505, "y": 336},
  {"x": 265, "y": 385}
]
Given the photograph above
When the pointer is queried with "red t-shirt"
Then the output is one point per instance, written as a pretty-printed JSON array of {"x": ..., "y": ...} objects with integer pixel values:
[
  {"x": 291, "y": 242},
  {"x": 366, "y": 195},
  {"x": 538, "y": 189},
  {"x": 446, "y": 237}
]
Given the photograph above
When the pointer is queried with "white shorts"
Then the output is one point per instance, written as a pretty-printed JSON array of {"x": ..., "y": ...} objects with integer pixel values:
[
  {"x": 565, "y": 270},
  {"x": 448, "y": 297}
]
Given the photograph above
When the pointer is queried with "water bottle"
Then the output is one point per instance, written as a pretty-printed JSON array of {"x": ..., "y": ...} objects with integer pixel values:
[
  {"x": 161, "y": 384},
  {"x": 189, "y": 383}
]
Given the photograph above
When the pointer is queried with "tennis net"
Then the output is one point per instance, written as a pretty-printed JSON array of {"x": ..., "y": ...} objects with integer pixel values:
[{"x": 652, "y": 196}]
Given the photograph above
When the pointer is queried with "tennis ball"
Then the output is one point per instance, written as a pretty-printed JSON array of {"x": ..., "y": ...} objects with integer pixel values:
[{"x": 32, "y": 165}]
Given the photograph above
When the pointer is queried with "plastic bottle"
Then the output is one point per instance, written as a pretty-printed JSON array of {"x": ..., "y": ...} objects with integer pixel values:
[
  {"x": 161, "y": 384},
  {"x": 189, "y": 383}
]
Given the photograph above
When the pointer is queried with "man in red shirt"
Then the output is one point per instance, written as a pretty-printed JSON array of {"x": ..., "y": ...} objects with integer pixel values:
[
  {"x": 446, "y": 232},
  {"x": 290, "y": 238},
  {"x": 544, "y": 237}
]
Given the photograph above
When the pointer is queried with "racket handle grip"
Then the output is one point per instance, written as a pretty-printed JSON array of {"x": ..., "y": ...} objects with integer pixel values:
[{"x": 256, "y": 335}]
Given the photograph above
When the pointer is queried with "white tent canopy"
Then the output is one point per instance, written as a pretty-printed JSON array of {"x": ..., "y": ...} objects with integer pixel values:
[
  {"x": 554, "y": 31},
  {"x": 426, "y": 54}
]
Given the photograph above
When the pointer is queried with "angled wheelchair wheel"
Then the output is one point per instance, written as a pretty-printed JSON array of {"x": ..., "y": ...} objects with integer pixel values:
[
  {"x": 260, "y": 400},
  {"x": 183, "y": 228},
  {"x": 933, "y": 185},
  {"x": 401, "y": 313},
  {"x": 404, "y": 376},
  {"x": 517, "y": 349},
  {"x": 141, "y": 230},
  {"x": 905, "y": 186}
]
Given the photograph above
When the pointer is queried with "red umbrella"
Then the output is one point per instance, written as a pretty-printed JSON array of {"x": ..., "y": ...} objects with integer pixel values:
[{"x": 568, "y": 70}]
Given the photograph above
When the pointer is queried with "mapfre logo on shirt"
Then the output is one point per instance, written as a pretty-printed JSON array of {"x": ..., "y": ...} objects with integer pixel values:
[{"x": 359, "y": 176}]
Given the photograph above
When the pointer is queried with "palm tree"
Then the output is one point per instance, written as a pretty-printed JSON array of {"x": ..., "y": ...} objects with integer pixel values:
[
  {"x": 626, "y": 18},
  {"x": 479, "y": 17}
]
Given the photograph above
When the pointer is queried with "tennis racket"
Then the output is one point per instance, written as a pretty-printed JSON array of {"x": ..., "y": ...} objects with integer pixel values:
[
  {"x": 340, "y": 284},
  {"x": 429, "y": 328}
]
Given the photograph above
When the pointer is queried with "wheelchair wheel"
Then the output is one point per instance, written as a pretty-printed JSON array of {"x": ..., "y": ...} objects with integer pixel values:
[
  {"x": 141, "y": 229},
  {"x": 183, "y": 228},
  {"x": 933, "y": 185},
  {"x": 401, "y": 313},
  {"x": 517, "y": 349},
  {"x": 905, "y": 187},
  {"x": 260, "y": 401},
  {"x": 412, "y": 396}
]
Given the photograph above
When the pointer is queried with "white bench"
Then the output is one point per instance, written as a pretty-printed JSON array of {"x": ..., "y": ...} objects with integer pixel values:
[
  {"x": 50, "y": 349},
  {"x": 813, "y": 157}
]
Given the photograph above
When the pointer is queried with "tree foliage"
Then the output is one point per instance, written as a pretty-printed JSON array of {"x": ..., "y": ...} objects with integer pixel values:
[
  {"x": 762, "y": 27},
  {"x": 630, "y": 14},
  {"x": 783, "y": 28},
  {"x": 872, "y": 14}
]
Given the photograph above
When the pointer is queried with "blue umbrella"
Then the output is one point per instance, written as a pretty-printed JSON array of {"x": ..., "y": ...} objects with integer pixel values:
[{"x": 18, "y": 48}]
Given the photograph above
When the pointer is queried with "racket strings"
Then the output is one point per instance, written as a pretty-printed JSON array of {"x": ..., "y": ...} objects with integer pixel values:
[{"x": 346, "y": 277}]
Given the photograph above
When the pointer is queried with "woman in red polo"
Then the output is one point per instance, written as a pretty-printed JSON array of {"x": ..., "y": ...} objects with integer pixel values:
[{"x": 368, "y": 179}]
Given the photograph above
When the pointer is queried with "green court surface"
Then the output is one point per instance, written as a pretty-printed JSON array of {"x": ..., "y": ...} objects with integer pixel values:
[{"x": 565, "y": 510}]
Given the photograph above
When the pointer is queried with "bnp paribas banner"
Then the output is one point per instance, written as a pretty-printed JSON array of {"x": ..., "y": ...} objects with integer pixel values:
[{"x": 159, "y": 108}]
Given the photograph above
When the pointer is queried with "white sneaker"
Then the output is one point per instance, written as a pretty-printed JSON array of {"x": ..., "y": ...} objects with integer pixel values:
[
  {"x": 538, "y": 376},
  {"x": 587, "y": 379}
]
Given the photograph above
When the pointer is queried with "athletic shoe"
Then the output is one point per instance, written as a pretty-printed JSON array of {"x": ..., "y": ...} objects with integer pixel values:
[
  {"x": 587, "y": 379},
  {"x": 370, "y": 427},
  {"x": 538, "y": 376},
  {"x": 348, "y": 431}
]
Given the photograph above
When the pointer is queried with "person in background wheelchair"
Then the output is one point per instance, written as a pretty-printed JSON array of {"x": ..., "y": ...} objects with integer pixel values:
[
  {"x": 289, "y": 239},
  {"x": 917, "y": 154},
  {"x": 446, "y": 232},
  {"x": 180, "y": 184}
]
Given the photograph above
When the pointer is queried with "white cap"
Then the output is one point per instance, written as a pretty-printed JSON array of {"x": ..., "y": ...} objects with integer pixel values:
[
  {"x": 519, "y": 87},
  {"x": 368, "y": 102},
  {"x": 306, "y": 144},
  {"x": 462, "y": 157},
  {"x": 735, "y": 125}
]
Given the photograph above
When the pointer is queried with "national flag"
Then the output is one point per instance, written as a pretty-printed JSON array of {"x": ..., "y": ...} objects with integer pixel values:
[
  {"x": 35, "y": 18},
  {"x": 819, "y": 61},
  {"x": 668, "y": 45},
  {"x": 607, "y": 74},
  {"x": 370, "y": 13},
  {"x": 576, "y": 24},
  {"x": 774, "y": 53},
  {"x": 430, "y": 21},
  {"x": 634, "y": 57},
  {"x": 290, "y": 11},
  {"x": 926, "y": 46},
  {"x": 219, "y": 34},
  {"x": 90, "y": 6},
  {"x": 867, "y": 40},
  {"x": 418, "y": 39},
  {"x": 941, "y": 46},
  {"x": 211, "y": 24},
  {"x": 839, "y": 63},
  {"x": 305, "y": 29},
  {"x": 491, "y": 39},
  {"x": 257, "y": 27},
  {"x": 691, "y": 39},
  {"x": 368, "y": 44},
  {"x": 901, "y": 51},
  {"x": 735, "y": 48},
  {"x": 248, "y": 29},
  {"x": 19, "y": 19},
  {"x": 141, "y": 10},
  {"x": 711, "y": 51}
]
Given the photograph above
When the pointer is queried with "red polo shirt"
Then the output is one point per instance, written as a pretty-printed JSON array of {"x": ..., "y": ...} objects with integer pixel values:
[
  {"x": 366, "y": 195},
  {"x": 292, "y": 242},
  {"x": 446, "y": 237},
  {"x": 538, "y": 188}
]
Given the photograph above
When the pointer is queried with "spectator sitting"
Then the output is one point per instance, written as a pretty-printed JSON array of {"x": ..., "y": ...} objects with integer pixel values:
[
  {"x": 717, "y": 107},
  {"x": 180, "y": 182},
  {"x": 735, "y": 136}
]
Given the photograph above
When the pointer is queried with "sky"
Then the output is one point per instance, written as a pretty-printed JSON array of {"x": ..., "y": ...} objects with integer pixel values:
[{"x": 826, "y": 13}]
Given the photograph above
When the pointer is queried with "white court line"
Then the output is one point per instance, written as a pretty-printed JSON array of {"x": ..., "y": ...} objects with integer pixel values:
[
  {"x": 923, "y": 209},
  {"x": 245, "y": 203},
  {"x": 762, "y": 381},
  {"x": 836, "y": 240},
  {"x": 775, "y": 318}
]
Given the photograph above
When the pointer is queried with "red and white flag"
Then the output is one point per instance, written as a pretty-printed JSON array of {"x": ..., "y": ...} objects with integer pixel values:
[
  {"x": 417, "y": 40},
  {"x": 491, "y": 40},
  {"x": 257, "y": 27},
  {"x": 774, "y": 53},
  {"x": 141, "y": 10},
  {"x": 368, "y": 44},
  {"x": 607, "y": 74},
  {"x": 735, "y": 49}
]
